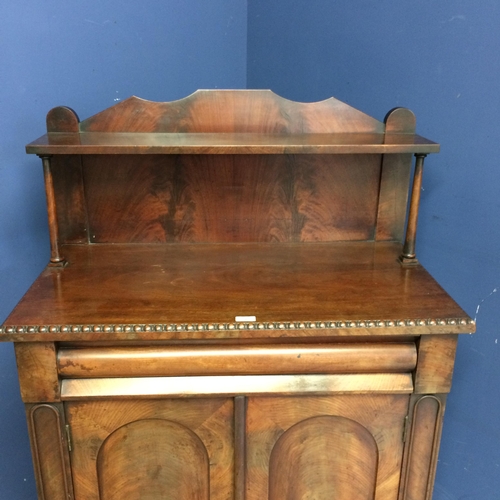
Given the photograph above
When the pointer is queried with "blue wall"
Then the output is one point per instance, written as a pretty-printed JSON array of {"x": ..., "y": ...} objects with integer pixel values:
[
  {"x": 86, "y": 55},
  {"x": 441, "y": 60}
]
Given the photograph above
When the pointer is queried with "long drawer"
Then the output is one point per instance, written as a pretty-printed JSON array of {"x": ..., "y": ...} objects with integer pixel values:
[{"x": 164, "y": 361}]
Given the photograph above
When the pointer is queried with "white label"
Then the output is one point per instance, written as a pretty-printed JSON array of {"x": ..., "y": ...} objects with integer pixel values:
[{"x": 245, "y": 318}]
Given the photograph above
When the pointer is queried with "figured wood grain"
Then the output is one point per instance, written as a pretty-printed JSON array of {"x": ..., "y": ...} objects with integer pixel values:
[
  {"x": 235, "y": 385},
  {"x": 326, "y": 211},
  {"x": 107, "y": 435},
  {"x": 324, "y": 457},
  {"x": 269, "y": 419},
  {"x": 37, "y": 371},
  {"x": 153, "y": 459},
  {"x": 50, "y": 451},
  {"x": 359, "y": 285},
  {"x": 222, "y": 122},
  {"x": 138, "y": 361},
  {"x": 230, "y": 198},
  {"x": 70, "y": 199},
  {"x": 436, "y": 358},
  {"x": 226, "y": 111},
  {"x": 233, "y": 322},
  {"x": 186, "y": 198}
]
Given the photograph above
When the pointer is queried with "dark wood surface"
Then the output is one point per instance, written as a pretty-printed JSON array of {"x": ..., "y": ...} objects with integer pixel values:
[
  {"x": 196, "y": 291},
  {"x": 228, "y": 199},
  {"x": 225, "y": 314},
  {"x": 231, "y": 111},
  {"x": 229, "y": 122},
  {"x": 67, "y": 175},
  {"x": 244, "y": 143},
  {"x": 203, "y": 198}
]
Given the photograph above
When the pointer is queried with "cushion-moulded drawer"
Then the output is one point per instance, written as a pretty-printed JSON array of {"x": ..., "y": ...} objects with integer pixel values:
[{"x": 155, "y": 361}]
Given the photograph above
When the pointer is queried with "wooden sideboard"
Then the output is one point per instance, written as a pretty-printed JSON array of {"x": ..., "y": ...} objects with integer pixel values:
[{"x": 233, "y": 307}]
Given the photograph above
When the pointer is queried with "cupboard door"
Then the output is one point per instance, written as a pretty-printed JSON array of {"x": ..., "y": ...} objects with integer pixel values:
[
  {"x": 346, "y": 447},
  {"x": 152, "y": 449}
]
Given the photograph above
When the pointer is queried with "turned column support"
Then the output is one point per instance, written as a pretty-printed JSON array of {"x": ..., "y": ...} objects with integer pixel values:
[
  {"x": 408, "y": 257},
  {"x": 56, "y": 259}
]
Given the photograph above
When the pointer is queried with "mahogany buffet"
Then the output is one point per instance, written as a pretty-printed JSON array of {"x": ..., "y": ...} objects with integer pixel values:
[{"x": 233, "y": 307}]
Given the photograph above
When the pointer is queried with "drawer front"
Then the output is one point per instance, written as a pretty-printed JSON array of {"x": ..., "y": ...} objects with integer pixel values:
[{"x": 164, "y": 361}]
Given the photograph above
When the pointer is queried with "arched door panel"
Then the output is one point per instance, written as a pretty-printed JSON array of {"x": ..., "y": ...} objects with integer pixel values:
[
  {"x": 325, "y": 458},
  {"x": 151, "y": 459},
  {"x": 172, "y": 449},
  {"x": 342, "y": 447}
]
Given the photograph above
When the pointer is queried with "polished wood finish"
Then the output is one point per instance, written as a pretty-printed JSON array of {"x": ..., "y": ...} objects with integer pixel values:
[
  {"x": 69, "y": 194},
  {"x": 240, "y": 451},
  {"x": 62, "y": 120},
  {"x": 163, "y": 291},
  {"x": 55, "y": 258},
  {"x": 50, "y": 449},
  {"x": 250, "y": 199},
  {"x": 138, "y": 361},
  {"x": 395, "y": 172},
  {"x": 228, "y": 122},
  {"x": 153, "y": 458},
  {"x": 37, "y": 370},
  {"x": 146, "y": 449},
  {"x": 436, "y": 357},
  {"x": 232, "y": 385},
  {"x": 130, "y": 143},
  {"x": 229, "y": 312},
  {"x": 307, "y": 445},
  {"x": 232, "y": 111},
  {"x": 309, "y": 459},
  {"x": 422, "y": 447},
  {"x": 409, "y": 256}
]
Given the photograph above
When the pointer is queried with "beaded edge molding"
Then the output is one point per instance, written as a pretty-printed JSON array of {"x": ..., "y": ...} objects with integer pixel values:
[{"x": 203, "y": 327}]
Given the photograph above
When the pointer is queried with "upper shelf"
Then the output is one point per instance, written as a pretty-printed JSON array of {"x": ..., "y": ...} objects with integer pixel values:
[
  {"x": 230, "y": 122},
  {"x": 160, "y": 143}
]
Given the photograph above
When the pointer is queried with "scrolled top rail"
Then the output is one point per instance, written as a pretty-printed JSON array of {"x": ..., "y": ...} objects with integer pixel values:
[{"x": 221, "y": 111}]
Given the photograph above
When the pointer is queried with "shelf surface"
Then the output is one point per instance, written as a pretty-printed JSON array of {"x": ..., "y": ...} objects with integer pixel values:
[
  {"x": 229, "y": 143},
  {"x": 196, "y": 291}
]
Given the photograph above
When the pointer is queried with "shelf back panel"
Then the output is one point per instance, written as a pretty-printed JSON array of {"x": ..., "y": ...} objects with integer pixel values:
[{"x": 212, "y": 199}]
